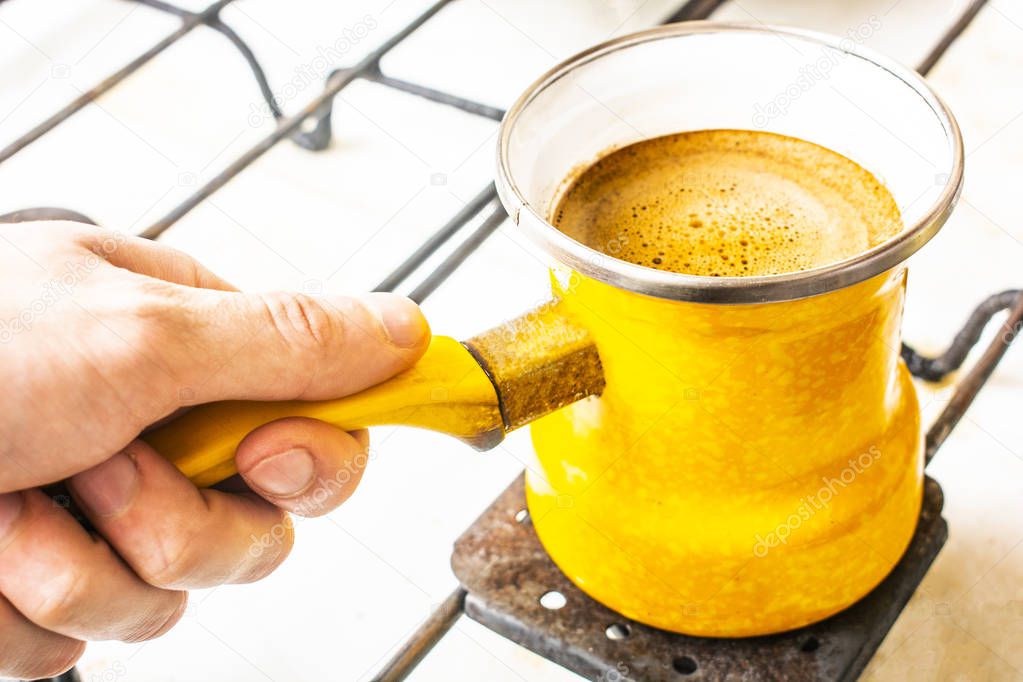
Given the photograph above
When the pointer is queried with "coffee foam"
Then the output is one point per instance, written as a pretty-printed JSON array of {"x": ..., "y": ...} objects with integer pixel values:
[{"x": 727, "y": 203}]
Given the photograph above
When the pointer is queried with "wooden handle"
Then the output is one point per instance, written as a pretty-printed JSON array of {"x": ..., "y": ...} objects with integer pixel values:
[{"x": 445, "y": 391}]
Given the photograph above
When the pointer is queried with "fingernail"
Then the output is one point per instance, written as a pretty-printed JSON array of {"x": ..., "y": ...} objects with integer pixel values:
[
  {"x": 406, "y": 327},
  {"x": 10, "y": 508},
  {"x": 107, "y": 488},
  {"x": 283, "y": 475}
]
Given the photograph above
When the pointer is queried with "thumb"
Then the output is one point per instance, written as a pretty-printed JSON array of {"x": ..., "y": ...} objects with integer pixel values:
[{"x": 284, "y": 346}]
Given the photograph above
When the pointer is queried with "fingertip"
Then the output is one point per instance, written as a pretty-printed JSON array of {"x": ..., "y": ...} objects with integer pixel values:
[
  {"x": 284, "y": 474},
  {"x": 160, "y": 627},
  {"x": 401, "y": 318},
  {"x": 109, "y": 487},
  {"x": 270, "y": 550},
  {"x": 304, "y": 466}
]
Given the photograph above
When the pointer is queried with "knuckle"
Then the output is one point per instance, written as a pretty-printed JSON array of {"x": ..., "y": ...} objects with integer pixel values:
[
  {"x": 56, "y": 598},
  {"x": 149, "y": 317},
  {"x": 99, "y": 240},
  {"x": 140, "y": 309},
  {"x": 187, "y": 268},
  {"x": 302, "y": 320},
  {"x": 175, "y": 562},
  {"x": 84, "y": 234},
  {"x": 154, "y": 303}
]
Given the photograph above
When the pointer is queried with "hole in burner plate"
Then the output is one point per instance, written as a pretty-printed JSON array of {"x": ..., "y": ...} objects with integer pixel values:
[
  {"x": 522, "y": 515},
  {"x": 617, "y": 631},
  {"x": 553, "y": 600},
  {"x": 684, "y": 665},
  {"x": 810, "y": 645}
]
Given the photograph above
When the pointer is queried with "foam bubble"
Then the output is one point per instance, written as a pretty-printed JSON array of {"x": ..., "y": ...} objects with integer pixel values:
[{"x": 727, "y": 203}]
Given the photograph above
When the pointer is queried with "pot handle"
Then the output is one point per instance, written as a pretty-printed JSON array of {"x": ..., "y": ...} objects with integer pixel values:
[{"x": 475, "y": 391}]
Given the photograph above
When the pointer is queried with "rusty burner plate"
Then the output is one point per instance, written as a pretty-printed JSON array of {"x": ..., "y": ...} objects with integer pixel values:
[{"x": 501, "y": 563}]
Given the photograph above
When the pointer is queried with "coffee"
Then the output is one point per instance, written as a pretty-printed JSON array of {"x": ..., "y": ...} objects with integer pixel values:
[{"x": 727, "y": 203}]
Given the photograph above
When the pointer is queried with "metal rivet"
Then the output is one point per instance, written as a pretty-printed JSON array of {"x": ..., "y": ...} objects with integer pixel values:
[
  {"x": 553, "y": 600},
  {"x": 617, "y": 631}
]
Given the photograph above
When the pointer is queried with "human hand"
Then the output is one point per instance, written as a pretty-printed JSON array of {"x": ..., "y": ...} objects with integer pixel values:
[{"x": 102, "y": 335}]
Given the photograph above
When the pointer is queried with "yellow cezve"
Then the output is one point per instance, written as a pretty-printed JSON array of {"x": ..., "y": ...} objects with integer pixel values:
[{"x": 748, "y": 469}]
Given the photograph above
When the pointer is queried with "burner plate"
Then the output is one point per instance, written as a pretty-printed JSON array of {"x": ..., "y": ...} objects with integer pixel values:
[{"x": 506, "y": 571}]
